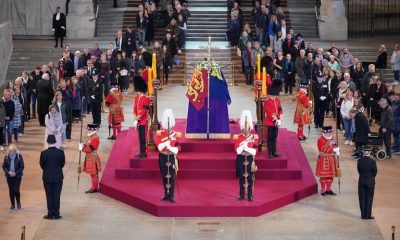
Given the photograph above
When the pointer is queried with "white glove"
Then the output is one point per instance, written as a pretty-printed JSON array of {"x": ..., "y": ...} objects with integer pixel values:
[
  {"x": 252, "y": 151},
  {"x": 135, "y": 123},
  {"x": 53, "y": 29},
  {"x": 80, "y": 146},
  {"x": 174, "y": 150},
  {"x": 92, "y": 97},
  {"x": 163, "y": 145},
  {"x": 278, "y": 122},
  {"x": 322, "y": 98},
  {"x": 63, "y": 27},
  {"x": 240, "y": 149},
  {"x": 337, "y": 150}
]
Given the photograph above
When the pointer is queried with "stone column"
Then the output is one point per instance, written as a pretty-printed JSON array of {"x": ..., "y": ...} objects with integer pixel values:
[
  {"x": 6, "y": 48},
  {"x": 334, "y": 25},
  {"x": 79, "y": 25}
]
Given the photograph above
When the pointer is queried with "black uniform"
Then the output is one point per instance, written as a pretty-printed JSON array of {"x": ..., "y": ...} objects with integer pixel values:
[
  {"x": 96, "y": 97},
  {"x": 320, "y": 89},
  {"x": 52, "y": 161},
  {"x": 59, "y": 27},
  {"x": 367, "y": 170},
  {"x": 166, "y": 163},
  {"x": 240, "y": 171},
  {"x": 45, "y": 93}
]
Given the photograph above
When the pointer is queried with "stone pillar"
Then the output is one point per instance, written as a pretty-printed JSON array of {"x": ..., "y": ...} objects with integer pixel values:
[
  {"x": 334, "y": 25},
  {"x": 79, "y": 25},
  {"x": 6, "y": 47}
]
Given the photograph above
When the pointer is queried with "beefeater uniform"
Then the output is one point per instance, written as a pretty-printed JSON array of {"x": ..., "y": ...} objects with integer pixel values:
[
  {"x": 92, "y": 163},
  {"x": 167, "y": 162},
  {"x": 327, "y": 162},
  {"x": 116, "y": 114},
  {"x": 302, "y": 115},
  {"x": 140, "y": 111},
  {"x": 244, "y": 163},
  {"x": 273, "y": 112}
]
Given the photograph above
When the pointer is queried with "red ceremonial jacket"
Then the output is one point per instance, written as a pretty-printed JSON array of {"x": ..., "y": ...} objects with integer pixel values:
[
  {"x": 145, "y": 75},
  {"x": 141, "y": 108},
  {"x": 241, "y": 138},
  {"x": 327, "y": 161},
  {"x": 302, "y": 114},
  {"x": 114, "y": 101},
  {"x": 272, "y": 107},
  {"x": 92, "y": 164},
  {"x": 162, "y": 136}
]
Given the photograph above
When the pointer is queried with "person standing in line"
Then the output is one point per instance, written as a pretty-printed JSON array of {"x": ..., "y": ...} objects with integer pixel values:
[
  {"x": 45, "y": 93},
  {"x": 367, "y": 170},
  {"x": 92, "y": 163},
  {"x": 9, "y": 108},
  {"x": 387, "y": 125},
  {"x": 395, "y": 62},
  {"x": 59, "y": 26},
  {"x": 96, "y": 97},
  {"x": 54, "y": 125},
  {"x": 52, "y": 161},
  {"x": 13, "y": 167},
  {"x": 302, "y": 115},
  {"x": 361, "y": 131}
]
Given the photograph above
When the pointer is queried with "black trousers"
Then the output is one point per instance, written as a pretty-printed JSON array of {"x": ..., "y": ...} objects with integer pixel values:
[
  {"x": 96, "y": 112},
  {"x": 13, "y": 189},
  {"x": 366, "y": 197},
  {"x": 240, "y": 171},
  {"x": 56, "y": 37},
  {"x": 319, "y": 112},
  {"x": 165, "y": 74},
  {"x": 42, "y": 109},
  {"x": 248, "y": 71},
  {"x": 359, "y": 146},
  {"x": 167, "y": 172},
  {"x": 142, "y": 138},
  {"x": 272, "y": 135},
  {"x": 53, "y": 194},
  {"x": 386, "y": 139},
  {"x": 68, "y": 112},
  {"x": 338, "y": 119}
]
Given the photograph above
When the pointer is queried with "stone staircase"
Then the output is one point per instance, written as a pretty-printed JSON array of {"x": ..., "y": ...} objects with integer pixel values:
[
  {"x": 208, "y": 18},
  {"x": 302, "y": 17},
  {"x": 109, "y": 19},
  {"x": 26, "y": 59}
]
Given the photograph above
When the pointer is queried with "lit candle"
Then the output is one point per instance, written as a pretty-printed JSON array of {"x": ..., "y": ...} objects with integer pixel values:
[
  {"x": 258, "y": 66},
  {"x": 264, "y": 83},
  {"x": 154, "y": 66},
  {"x": 149, "y": 82}
]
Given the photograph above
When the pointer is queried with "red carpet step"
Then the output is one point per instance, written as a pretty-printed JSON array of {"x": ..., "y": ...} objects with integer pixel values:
[{"x": 207, "y": 186}]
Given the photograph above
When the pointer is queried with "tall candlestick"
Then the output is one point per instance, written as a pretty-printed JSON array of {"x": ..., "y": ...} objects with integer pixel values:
[
  {"x": 150, "y": 89},
  {"x": 258, "y": 66},
  {"x": 154, "y": 66},
  {"x": 264, "y": 83}
]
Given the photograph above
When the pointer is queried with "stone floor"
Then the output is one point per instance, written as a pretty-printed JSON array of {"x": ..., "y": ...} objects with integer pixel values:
[{"x": 95, "y": 216}]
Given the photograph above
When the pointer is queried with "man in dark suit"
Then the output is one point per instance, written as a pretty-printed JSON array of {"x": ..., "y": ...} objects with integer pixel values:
[
  {"x": 121, "y": 44},
  {"x": 52, "y": 161},
  {"x": 367, "y": 170},
  {"x": 45, "y": 93},
  {"x": 59, "y": 23},
  {"x": 361, "y": 130}
]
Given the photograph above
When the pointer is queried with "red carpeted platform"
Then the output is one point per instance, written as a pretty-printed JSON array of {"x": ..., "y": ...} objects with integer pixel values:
[{"x": 207, "y": 186}]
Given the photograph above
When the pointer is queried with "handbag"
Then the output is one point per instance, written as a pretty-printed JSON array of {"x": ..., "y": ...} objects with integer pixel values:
[
  {"x": 123, "y": 72},
  {"x": 238, "y": 52}
]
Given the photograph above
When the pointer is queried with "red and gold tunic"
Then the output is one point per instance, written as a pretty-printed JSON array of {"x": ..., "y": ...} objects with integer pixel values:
[
  {"x": 162, "y": 137},
  {"x": 141, "y": 108},
  {"x": 92, "y": 164},
  {"x": 116, "y": 114},
  {"x": 251, "y": 138},
  {"x": 302, "y": 114},
  {"x": 327, "y": 161},
  {"x": 273, "y": 110}
]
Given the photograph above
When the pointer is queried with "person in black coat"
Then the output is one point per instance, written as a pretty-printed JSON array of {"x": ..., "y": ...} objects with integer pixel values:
[
  {"x": 59, "y": 26},
  {"x": 45, "y": 93},
  {"x": 361, "y": 130},
  {"x": 52, "y": 161},
  {"x": 96, "y": 97},
  {"x": 367, "y": 170},
  {"x": 121, "y": 43},
  {"x": 13, "y": 167}
]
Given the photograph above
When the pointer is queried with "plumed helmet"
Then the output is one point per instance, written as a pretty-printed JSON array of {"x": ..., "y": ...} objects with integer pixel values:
[
  {"x": 246, "y": 116},
  {"x": 168, "y": 119},
  {"x": 147, "y": 58}
]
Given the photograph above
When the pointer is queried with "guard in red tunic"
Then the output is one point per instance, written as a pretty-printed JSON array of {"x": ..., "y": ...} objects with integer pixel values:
[
  {"x": 168, "y": 163},
  {"x": 116, "y": 114},
  {"x": 245, "y": 147},
  {"x": 302, "y": 115},
  {"x": 327, "y": 163},
  {"x": 92, "y": 164},
  {"x": 140, "y": 111},
  {"x": 272, "y": 121}
]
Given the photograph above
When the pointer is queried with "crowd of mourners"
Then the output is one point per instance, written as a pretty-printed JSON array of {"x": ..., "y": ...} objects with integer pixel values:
[{"x": 341, "y": 85}]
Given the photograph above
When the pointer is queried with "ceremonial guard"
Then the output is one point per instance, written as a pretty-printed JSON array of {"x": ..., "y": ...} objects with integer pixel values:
[
  {"x": 116, "y": 114},
  {"x": 96, "y": 97},
  {"x": 92, "y": 164},
  {"x": 367, "y": 170},
  {"x": 327, "y": 163},
  {"x": 140, "y": 112},
  {"x": 320, "y": 93},
  {"x": 168, "y": 163},
  {"x": 245, "y": 147},
  {"x": 273, "y": 114},
  {"x": 302, "y": 115}
]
